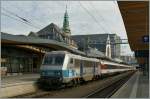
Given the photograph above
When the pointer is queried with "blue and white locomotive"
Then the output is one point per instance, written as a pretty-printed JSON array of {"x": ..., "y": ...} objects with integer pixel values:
[{"x": 64, "y": 67}]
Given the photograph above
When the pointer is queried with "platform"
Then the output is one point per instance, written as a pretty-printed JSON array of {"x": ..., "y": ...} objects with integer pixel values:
[
  {"x": 136, "y": 87},
  {"x": 9, "y": 80},
  {"x": 18, "y": 85}
]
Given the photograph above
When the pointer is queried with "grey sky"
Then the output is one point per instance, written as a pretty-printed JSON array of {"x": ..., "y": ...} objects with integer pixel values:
[{"x": 42, "y": 13}]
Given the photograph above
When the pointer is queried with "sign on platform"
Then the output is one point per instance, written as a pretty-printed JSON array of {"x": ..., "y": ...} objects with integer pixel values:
[{"x": 146, "y": 38}]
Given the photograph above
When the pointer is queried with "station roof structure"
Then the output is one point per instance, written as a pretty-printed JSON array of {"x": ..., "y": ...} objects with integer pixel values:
[
  {"x": 9, "y": 39},
  {"x": 135, "y": 15}
]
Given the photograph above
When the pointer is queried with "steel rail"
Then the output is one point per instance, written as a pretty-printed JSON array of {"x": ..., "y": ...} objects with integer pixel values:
[{"x": 109, "y": 90}]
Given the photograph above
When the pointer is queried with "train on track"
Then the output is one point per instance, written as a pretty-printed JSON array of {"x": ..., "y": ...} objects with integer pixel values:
[{"x": 61, "y": 67}]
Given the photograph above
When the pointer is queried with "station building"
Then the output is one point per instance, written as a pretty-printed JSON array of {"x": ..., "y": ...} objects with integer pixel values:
[{"x": 99, "y": 41}]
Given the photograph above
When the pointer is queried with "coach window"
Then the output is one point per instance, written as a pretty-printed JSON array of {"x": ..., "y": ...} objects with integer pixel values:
[{"x": 71, "y": 61}]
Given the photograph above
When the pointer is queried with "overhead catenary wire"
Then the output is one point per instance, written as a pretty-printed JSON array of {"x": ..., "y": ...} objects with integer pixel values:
[
  {"x": 18, "y": 20},
  {"x": 33, "y": 20},
  {"x": 103, "y": 19},
  {"x": 95, "y": 20},
  {"x": 93, "y": 17},
  {"x": 17, "y": 17},
  {"x": 68, "y": 6},
  {"x": 10, "y": 17}
]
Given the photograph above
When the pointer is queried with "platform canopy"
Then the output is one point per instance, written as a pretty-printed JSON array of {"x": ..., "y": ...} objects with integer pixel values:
[{"x": 135, "y": 15}]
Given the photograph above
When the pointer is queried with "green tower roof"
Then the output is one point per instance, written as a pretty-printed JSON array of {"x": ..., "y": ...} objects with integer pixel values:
[{"x": 66, "y": 28}]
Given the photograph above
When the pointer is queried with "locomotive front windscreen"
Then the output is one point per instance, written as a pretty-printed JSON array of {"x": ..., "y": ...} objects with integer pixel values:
[{"x": 53, "y": 59}]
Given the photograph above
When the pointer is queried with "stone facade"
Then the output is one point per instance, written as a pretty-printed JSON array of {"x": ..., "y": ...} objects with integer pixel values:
[{"x": 99, "y": 42}]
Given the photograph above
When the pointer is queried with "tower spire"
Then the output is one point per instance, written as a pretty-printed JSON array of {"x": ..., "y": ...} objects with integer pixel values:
[
  {"x": 66, "y": 28},
  {"x": 108, "y": 39},
  {"x": 66, "y": 7},
  {"x": 108, "y": 47}
]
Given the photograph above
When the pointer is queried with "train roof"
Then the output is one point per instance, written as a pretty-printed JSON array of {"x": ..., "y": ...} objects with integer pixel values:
[
  {"x": 73, "y": 55},
  {"x": 90, "y": 56},
  {"x": 114, "y": 63},
  {"x": 83, "y": 58}
]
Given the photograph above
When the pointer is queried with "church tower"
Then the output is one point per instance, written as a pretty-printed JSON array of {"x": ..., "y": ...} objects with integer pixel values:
[
  {"x": 66, "y": 28},
  {"x": 108, "y": 47}
]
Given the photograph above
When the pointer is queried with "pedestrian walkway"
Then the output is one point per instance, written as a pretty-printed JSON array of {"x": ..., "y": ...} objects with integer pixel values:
[
  {"x": 136, "y": 87},
  {"x": 11, "y": 80},
  {"x": 18, "y": 85}
]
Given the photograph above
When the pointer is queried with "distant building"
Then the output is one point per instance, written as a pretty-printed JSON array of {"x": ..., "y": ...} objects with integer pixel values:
[
  {"x": 99, "y": 41},
  {"x": 129, "y": 59},
  {"x": 52, "y": 31},
  {"x": 108, "y": 47},
  {"x": 32, "y": 34}
]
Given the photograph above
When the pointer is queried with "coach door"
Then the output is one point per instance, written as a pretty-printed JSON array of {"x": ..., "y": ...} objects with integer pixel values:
[
  {"x": 94, "y": 69},
  {"x": 81, "y": 68}
]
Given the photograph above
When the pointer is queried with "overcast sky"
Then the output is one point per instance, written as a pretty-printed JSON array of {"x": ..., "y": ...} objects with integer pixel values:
[{"x": 85, "y": 17}]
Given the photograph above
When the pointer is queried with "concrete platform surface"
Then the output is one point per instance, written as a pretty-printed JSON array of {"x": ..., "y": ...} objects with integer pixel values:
[
  {"x": 136, "y": 87},
  {"x": 9, "y": 80},
  {"x": 17, "y": 85}
]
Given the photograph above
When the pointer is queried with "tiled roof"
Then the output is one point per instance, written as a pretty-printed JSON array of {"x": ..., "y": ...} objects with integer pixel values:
[
  {"x": 32, "y": 34},
  {"x": 17, "y": 39},
  {"x": 49, "y": 29}
]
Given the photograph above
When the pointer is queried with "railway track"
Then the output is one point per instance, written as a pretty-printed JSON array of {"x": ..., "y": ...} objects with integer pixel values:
[
  {"x": 108, "y": 91},
  {"x": 104, "y": 88}
]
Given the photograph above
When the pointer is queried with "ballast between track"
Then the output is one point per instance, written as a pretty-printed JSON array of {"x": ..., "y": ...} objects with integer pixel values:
[{"x": 108, "y": 91}]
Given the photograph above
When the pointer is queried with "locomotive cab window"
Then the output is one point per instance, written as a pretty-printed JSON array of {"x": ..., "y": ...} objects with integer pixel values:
[
  {"x": 59, "y": 60},
  {"x": 48, "y": 60},
  {"x": 53, "y": 60}
]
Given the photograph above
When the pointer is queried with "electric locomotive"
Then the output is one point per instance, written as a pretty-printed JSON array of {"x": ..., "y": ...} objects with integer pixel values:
[{"x": 61, "y": 67}]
